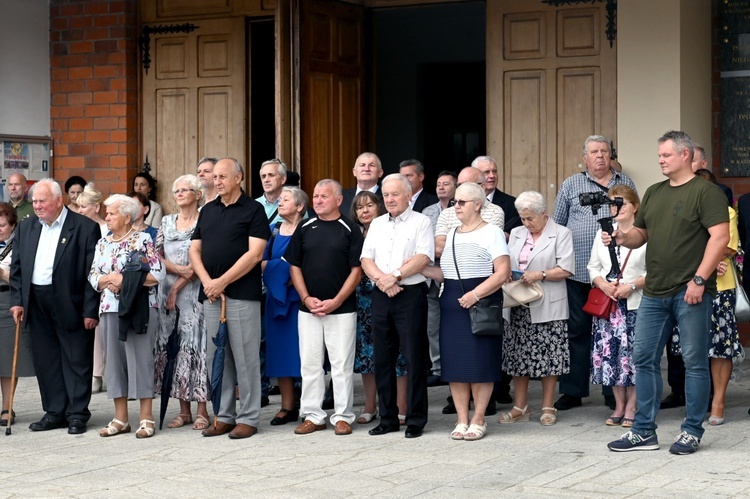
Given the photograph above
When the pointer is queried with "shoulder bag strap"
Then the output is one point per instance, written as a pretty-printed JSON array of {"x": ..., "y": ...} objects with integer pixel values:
[
  {"x": 274, "y": 233},
  {"x": 622, "y": 269},
  {"x": 455, "y": 262},
  {"x": 600, "y": 186},
  {"x": 7, "y": 249}
]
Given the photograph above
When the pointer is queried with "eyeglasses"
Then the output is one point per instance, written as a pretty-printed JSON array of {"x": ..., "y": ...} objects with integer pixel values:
[
  {"x": 177, "y": 192},
  {"x": 462, "y": 202}
]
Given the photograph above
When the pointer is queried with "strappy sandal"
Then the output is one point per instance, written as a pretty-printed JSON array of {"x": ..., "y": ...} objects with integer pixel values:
[
  {"x": 145, "y": 431},
  {"x": 180, "y": 420},
  {"x": 4, "y": 421},
  {"x": 459, "y": 431},
  {"x": 476, "y": 432},
  {"x": 201, "y": 423},
  {"x": 367, "y": 417},
  {"x": 111, "y": 430},
  {"x": 548, "y": 419},
  {"x": 508, "y": 417}
]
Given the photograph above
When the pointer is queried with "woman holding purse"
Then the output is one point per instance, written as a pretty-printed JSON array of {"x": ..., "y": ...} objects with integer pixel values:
[
  {"x": 474, "y": 265},
  {"x": 612, "y": 337},
  {"x": 536, "y": 341}
]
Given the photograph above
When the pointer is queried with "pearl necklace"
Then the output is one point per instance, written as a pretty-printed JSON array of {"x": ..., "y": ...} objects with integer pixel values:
[{"x": 121, "y": 238}]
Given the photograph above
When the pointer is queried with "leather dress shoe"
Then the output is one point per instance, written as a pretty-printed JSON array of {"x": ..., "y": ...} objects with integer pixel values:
[
  {"x": 673, "y": 400},
  {"x": 243, "y": 431},
  {"x": 382, "y": 429},
  {"x": 413, "y": 431},
  {"x": 434, "y": 380},
  {"x": 264, "y": 401},
  {"x": 219, "y": 429},
  {"x": 76, "y": 426},
  {"x": 491, "y": 409},
  {"x": 568, "y": 402},
  {"x": 504, "y": 399},
  {"x": 308, "y": 427},
  {"x": 342, "y": 428},
  {"x": 46, "y": 424},
  {"x": 290, "y": 416}
]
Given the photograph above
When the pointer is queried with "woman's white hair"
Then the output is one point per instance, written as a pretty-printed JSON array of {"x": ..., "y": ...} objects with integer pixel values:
[
  {"x": 128, "y": 207},
  {"x": 474, "y": 192},
  {"x": 532, "y": 201},
  {"x": 192, "y": 182}
]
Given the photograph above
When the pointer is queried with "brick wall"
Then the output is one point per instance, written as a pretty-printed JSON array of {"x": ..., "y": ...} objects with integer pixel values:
[{"x": 93, "y": 68}]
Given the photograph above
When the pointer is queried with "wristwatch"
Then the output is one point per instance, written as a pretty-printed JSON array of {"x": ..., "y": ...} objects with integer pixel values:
[
  {"x": 397, "y": 274},
  {"x": 632, "y": 286},
  {"x": 699, "y": 280},
  {"x": 544, "y": 275}
]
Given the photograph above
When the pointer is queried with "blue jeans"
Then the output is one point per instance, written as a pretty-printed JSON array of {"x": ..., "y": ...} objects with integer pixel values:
[{"x": 656, "y": 317}]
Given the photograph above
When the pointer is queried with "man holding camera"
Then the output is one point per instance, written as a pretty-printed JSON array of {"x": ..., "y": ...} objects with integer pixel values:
[
  {"x": 684, "y": 219},
  {"x": 599, "y": 176}
]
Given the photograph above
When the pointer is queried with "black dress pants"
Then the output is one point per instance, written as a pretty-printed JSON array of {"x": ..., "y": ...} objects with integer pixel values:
[
  {"x": 576, "y": 383},
  {"x": 401, "y": 321},
  {"x": 63, "y": 359}
]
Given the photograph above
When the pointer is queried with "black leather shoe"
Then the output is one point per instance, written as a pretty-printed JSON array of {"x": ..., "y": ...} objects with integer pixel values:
[
  {"x": 382, "y": 429},
  {"x": 413, "y": 431},
  {"x": 567, "y": 402},
  {"x": 672, "y": 400},
  {"x": 46, "y": 424},
  {"x": 450, "y": 408},
  {"x": 491, "y": 409},
  {"x": 328, "y": 397},
  {"x": 290, "y": 416},
  {"x": 264, "y": 401},
  {"x": 76, "y": 427},
  {"x": 434, "y": 380},
  {"x": 504, "y": 399}
]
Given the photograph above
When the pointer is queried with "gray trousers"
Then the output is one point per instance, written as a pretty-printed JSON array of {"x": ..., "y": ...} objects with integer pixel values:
[
  {"x": 241, "y": 359},
  {"x": 433, "y": 325},
  {"x": 129, "y": 367}
]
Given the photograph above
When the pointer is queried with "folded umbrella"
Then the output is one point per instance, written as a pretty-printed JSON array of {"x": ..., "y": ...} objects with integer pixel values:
[
  {"x": 172, "y": 347},
  {"x": 217, "y": 366}
]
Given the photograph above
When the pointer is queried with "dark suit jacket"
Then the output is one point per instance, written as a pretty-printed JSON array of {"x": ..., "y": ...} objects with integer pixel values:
[
  {"x": 346, "y": 204},
  {"x": 74, "y": 296},
  {"x": 424, "y": 200},
  {"x": 506, "y": 202}
]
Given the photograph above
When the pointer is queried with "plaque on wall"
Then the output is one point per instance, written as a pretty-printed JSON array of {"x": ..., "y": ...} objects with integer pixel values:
[{"x": 735, "y": 87}]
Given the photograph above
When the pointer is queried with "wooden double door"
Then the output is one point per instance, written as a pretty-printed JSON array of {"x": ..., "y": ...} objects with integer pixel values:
[{"x": 551, "y": 82}]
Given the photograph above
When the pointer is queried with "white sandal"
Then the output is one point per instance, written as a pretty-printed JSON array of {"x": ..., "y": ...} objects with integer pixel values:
[
  {"x": 367, "y": 417},
  {"x": 476, "y": 432},
  {"x": 548, "y": 419},
  {"x": 145, "y": 431},
  {"x": 111, "y": 430},
  {"x": 459, "y": 431}
]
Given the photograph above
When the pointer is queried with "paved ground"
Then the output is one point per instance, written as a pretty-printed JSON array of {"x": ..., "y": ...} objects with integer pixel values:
[{"x": 520, "y": 460}]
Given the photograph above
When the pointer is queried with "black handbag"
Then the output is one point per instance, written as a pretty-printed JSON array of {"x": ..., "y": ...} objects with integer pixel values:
[{"x": 487, "y": 314}]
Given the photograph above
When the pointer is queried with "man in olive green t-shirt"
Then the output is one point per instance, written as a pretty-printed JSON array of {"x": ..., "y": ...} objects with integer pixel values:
[{"x": 686, "y": 224}]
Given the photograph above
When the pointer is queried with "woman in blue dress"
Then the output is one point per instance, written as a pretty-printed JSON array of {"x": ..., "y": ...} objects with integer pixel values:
[{"x": 282, "y": 304}]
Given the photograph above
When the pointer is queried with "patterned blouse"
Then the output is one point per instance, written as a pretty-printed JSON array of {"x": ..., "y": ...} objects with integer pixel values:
[{"x": 110, "y": 258}]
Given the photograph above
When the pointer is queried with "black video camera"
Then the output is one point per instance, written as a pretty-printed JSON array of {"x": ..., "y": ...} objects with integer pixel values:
[{"x": 598, "y": 199}]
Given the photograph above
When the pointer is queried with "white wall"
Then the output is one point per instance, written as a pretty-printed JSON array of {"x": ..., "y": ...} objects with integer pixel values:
[
  {"x": 24, "y": 68},
  {"x": 663, "y": 79}
]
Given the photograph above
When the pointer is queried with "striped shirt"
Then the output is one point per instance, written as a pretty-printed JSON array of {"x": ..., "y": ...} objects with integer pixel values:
[{"x": 475, "y": 252}]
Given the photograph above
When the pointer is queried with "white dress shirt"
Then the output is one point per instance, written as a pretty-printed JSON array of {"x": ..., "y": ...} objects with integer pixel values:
[
  {"x": 45, "y": 251},
  {"x": 392, "y": 241}
]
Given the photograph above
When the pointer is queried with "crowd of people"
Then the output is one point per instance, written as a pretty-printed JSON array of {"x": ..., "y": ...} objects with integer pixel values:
[{"x": 380, "y": 280}]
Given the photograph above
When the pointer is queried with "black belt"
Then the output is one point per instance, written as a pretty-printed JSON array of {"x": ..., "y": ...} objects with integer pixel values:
[{"x": 4, "y": 288}]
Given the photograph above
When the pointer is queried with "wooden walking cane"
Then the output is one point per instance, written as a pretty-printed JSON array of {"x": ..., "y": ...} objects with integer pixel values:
[{"x": 13, "y": 377}]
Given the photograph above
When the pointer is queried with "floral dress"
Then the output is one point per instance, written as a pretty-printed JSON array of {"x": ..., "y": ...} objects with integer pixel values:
[{"x": 191, "y": 381}]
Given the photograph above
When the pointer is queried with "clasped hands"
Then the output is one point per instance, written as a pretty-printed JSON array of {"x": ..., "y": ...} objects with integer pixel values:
[{"x": 388, "y": 285}]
